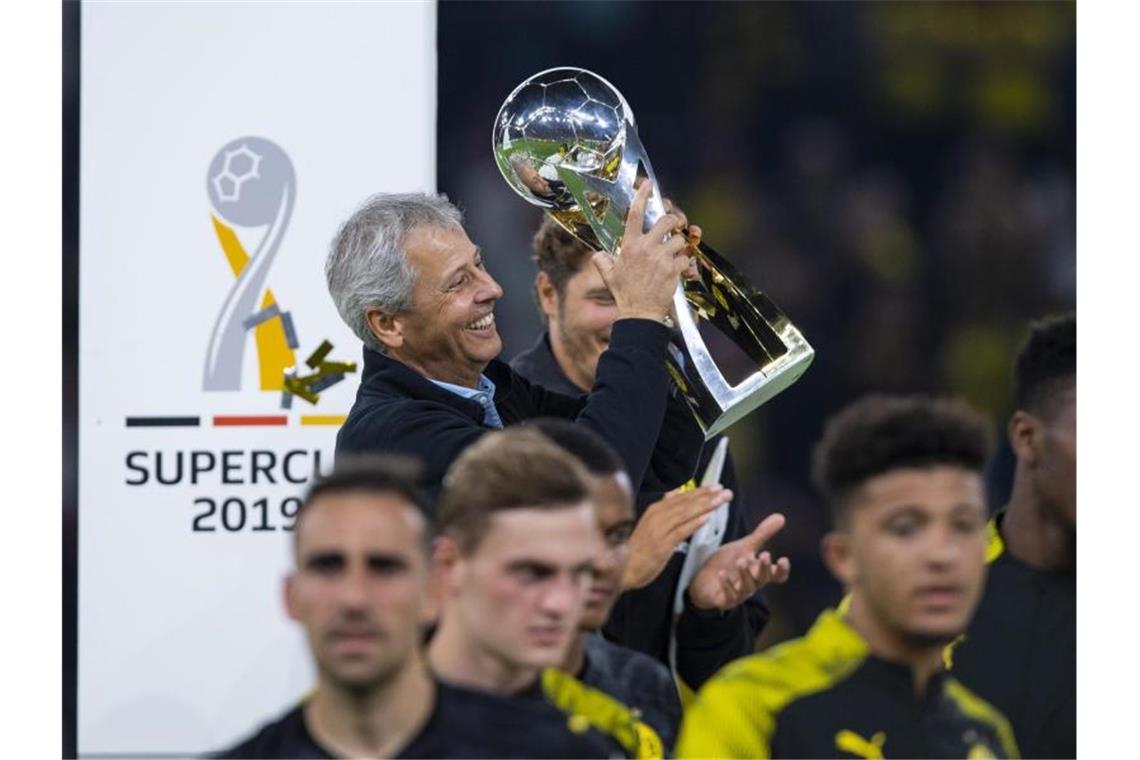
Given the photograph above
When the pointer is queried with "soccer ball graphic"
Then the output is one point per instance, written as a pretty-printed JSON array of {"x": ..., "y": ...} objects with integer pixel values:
[
  {"x": 248, "y": 180},
  {"x": 565, "y": 117},
  {"x": 238, "y": 167}
]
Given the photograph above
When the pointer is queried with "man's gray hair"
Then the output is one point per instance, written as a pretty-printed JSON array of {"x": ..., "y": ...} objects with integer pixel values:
[{"x": 367, "y": 268}]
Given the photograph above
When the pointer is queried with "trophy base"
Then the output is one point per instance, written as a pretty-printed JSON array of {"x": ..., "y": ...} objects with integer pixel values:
[
  {"x": 716, "y": 405},
  {"x": 774, "y": 382},
  {"x": 723, "y": 298}
]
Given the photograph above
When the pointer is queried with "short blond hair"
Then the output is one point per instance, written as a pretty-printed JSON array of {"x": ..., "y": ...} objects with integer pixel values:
[{"x": 511, "y": 469}]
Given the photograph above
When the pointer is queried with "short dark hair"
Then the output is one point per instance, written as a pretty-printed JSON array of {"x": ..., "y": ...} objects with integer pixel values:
[
  {"x": 377, "y": 474},
  {"x": 590, "y": 448},
  {"x": 517, "y": 468},
  {"x": 558, "y": 253},
  {"x": 1047, "y": 363},
  {"x": 881, "y": 433}
]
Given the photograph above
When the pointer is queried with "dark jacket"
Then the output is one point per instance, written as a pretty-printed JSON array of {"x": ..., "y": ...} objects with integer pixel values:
[
  {"x": 398, "y": 410},
  {"x": 641, "y": 619}
]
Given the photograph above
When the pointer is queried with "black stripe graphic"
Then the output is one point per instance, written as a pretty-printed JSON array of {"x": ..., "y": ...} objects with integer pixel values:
[{"x": 163, "y": 421}]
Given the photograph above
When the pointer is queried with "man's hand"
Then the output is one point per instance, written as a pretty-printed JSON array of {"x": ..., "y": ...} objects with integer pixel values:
[
  {"x": 644, "y": 276},
  {"x": 739, "y": 569},
  {"x": 663, "y": 525}
]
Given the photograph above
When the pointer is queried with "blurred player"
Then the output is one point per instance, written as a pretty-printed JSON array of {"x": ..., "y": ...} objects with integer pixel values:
[
  {"x": 904, "y": 480},
  {"x": 362, "y": 591},
  {"x": 517, "y": 549},
  {"x": 1020, "y": 651}
]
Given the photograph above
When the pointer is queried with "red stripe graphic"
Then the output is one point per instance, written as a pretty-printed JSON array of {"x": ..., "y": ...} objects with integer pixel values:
[{"x": 247, "y": 421}]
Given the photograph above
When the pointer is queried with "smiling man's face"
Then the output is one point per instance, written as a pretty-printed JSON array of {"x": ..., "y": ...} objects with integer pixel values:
[
  {"x": 449, "y": 334},
  {"x": 580, "y": 318}
]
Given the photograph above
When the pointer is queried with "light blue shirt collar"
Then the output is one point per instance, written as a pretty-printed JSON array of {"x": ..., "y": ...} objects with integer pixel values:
[{"x": 484, "y": 394}]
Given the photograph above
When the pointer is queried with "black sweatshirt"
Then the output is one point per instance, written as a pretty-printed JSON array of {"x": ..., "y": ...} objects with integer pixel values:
[{"x": 399, "y": 411}]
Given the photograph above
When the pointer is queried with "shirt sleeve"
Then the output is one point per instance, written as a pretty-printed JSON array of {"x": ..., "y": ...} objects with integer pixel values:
[
  {"x": 627, "y": 402},
  {"x": 723, "y": 722}
]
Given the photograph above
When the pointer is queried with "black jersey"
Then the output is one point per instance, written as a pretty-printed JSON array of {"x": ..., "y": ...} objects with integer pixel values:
[
  {"x": 463, "y": 724},
  {"x": 825, "y": 695},
  {"x": 1020, "y": 651}
]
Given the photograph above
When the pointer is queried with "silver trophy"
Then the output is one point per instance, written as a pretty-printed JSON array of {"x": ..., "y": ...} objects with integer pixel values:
[{"x": 566, "y": 140}]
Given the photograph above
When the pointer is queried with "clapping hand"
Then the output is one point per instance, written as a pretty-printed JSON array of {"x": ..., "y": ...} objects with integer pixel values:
[
  {"x": 739, "y": 569},
  {"x": 663, "y": 525}
]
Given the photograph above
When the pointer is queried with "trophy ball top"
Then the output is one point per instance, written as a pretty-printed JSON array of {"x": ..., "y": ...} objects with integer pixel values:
[
  {"x": 247, "y": 181},
  {"x": 564, "y": 118}
]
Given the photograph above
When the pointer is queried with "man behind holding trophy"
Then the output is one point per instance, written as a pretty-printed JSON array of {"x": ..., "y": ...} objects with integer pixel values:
[{"x": 414, "y": 288}]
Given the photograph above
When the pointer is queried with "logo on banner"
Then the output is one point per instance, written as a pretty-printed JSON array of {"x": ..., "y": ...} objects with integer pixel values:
[
  {"x": 252, "y": 186},
  {"x": 241, "y": 483}
]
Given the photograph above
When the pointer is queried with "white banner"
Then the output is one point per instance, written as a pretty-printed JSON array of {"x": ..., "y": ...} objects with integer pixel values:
[{"x": 221, "y": 146}]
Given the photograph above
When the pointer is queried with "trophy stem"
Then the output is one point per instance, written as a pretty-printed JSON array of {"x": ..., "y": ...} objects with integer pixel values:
[{"x": 724, "y": 297}]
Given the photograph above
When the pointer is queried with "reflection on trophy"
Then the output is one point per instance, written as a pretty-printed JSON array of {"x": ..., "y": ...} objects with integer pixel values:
[{"x": 566, "y": 140}]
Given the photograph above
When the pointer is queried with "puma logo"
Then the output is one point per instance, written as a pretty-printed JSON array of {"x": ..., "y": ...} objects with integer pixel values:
[{"x": 849, "y": 741}]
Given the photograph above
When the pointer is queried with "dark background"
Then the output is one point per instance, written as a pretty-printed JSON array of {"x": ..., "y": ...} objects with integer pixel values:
[{"x": 898, "y": 177}]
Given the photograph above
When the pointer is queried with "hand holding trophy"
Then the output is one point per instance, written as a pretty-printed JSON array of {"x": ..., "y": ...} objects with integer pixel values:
[
  {"x": 565, "y": 140},
  {"x": 642, "y": 280}
]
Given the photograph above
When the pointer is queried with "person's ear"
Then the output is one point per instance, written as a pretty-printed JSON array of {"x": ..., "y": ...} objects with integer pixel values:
[
  {"x": 388, "y": 328},
  {"x": 1025, "y": 433},
  {"x": 429, "y": 613},
  {"x": 447, "y": 564},
  {"x": 289, "y": 594},
  {"x": 547, "y": 295},
  {"x": 835, "y": 548}
]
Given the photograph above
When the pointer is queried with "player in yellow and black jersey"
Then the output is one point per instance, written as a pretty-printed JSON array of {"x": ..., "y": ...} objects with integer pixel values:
[
  {"x": 904, "y": 479},
  {"x": 1020, "y": 651},
  {"x": 516, "y": 553}
]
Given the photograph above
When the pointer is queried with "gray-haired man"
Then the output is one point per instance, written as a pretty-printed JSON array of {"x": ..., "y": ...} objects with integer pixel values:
[{"x": 413, "y": 287}]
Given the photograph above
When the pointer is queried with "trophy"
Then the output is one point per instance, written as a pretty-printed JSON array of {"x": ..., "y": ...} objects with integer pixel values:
[{"x": 565, "y": 140}]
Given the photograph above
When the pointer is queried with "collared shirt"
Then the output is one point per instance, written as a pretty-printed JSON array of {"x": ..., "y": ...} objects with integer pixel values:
[{"x": 484, "y": 394}]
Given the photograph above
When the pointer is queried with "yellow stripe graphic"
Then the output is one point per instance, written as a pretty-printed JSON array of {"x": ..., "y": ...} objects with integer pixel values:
[
  {"x": 273, "y": 352},
  {"x": 323, "y": 419}
]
